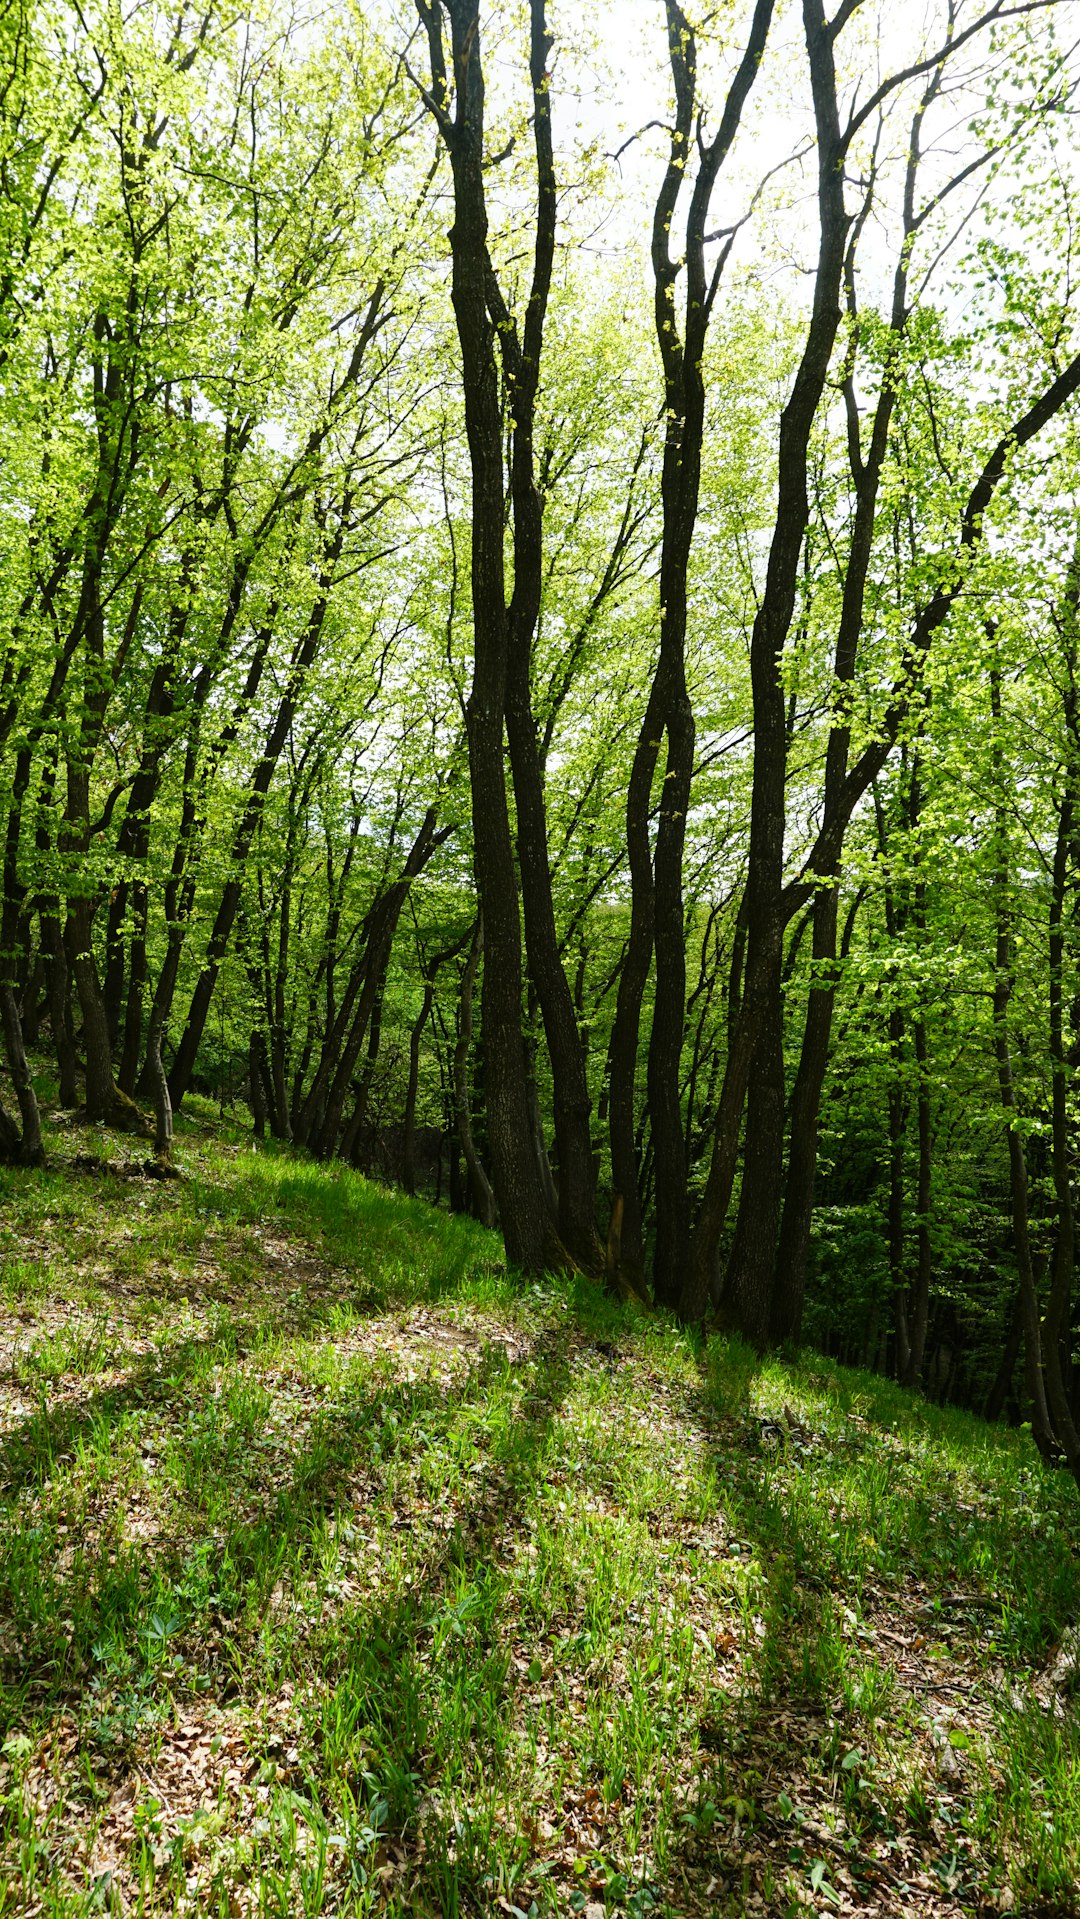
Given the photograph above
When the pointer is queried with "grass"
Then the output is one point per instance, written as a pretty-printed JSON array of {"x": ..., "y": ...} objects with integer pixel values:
[{"x": 341, "y": 1574}]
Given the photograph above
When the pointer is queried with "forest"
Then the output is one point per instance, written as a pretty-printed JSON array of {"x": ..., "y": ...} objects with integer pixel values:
[
  {"x": 583, "y": 727},
  {"x": 540, "y": 673}
]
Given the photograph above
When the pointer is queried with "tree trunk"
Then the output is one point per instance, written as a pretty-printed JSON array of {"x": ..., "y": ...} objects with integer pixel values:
[
  {"x": 530, "y": 1234},
  {"x": 408, "y": 1127},
  {"x": 897, "y": 1132},
  {"x": 1058, "y": 1310},
  {"x": 574, "y": 1204},
  {"x": 1003, "y": 1378},
  {"x": 920, "y": 1297},
  {"x": 1041, "y": 1428},
  {"x": 482, "y": 1196},
  {"x": 330, "y": 1086},
  {"x": 31, "y": 1147},
  {"x": 794, "y": 1243},
  {"x": 57, "y": 986},
  {"x": 753, "y": 1253},
  {"x": 752, "y": 1268},
  {"x": 257, "y": 1082}
]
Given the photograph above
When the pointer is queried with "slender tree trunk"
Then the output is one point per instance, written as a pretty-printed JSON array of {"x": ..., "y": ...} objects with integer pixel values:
[
  {"x": 132, "y": 1035},
  {"x": 31, "y": 1147},
  {"x": 794, "y": 1244},
  {"x": 163, "y": 1114},
  {"x": 330, "y": 1090},
  {"x": 1057, "y": 1322},
  {"x": 480, "y": 1187},
  {"x": 897, "y": 1135},
  {"x": 633, "y": 978},
  {"x": 57, "y": 987},
  {"x": 354, "y": 1132},
  {"x": 408, "y": 1127},
  {"x": 1003, "y": 1378},
  {"x": 657, "y": 912},
  {"x": 529, "y": 1232},
  {"x": 100, "y": 1086},
  {"x": 1042, "y": 1430},
  {"x": 752, "y": 1267},
  {"x": 574, "y": 1204},
  {"x": 282, "y": 1116},
  {"x": 256, "y": 1081},
  {"x": 225, "y": 918},
  {"x": 920, "y": 1300}
]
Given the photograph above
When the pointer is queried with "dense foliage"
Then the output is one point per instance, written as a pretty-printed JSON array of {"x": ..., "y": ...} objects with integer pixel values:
[{"x": 587, "y": 729}]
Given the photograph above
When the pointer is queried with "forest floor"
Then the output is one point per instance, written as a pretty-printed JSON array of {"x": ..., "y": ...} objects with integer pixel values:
[{"x": 339, "y": 1574}]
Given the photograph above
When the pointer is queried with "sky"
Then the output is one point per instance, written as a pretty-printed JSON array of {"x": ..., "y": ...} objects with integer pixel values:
[{"x": 610, "y": 84}]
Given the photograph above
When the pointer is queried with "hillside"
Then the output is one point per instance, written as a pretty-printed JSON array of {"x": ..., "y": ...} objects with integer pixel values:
[{"x": 338, "y": 1573}]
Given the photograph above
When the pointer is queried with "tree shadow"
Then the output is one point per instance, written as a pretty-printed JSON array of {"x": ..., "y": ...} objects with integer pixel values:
[
  {"x": 70, "y": 1610},
  {"x": 48, "y": 1437},
  {"x": 863, "y": 1539},
  {"x": 419, "y": 1712}
]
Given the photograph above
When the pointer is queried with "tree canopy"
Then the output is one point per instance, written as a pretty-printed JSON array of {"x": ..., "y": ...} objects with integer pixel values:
[{"x": 538, "y": 634}]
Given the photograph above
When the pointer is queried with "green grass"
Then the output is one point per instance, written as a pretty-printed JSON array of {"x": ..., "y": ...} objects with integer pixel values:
[{"x": 340, "y": 1573}]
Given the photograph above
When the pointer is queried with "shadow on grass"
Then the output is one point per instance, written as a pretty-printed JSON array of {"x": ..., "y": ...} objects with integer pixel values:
[
  {"x": 73, "y": 1608},
  {"x": 412, "y": 1693},
  {"x": 417, "y": 1722},
  {"x": 32, "y": 1449},
  {"x": 846, "y": 1524},
  {"x": 405, "y": 1247}
]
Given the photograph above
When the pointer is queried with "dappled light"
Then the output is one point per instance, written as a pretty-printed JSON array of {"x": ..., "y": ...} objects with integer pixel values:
[
  {"x": 405, "y": 1590},
  {"x": 539, "y": 959}
]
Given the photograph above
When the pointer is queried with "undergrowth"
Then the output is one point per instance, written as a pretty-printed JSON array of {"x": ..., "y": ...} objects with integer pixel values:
[{"x": 340, "y": 1572}]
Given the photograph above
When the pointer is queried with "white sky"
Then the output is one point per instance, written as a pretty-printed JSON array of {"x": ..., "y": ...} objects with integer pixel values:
[{"x": 611, "y": 80}]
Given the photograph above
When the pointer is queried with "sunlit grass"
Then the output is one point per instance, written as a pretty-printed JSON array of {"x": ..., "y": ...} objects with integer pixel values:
[{"x": 339, "y": 1572}]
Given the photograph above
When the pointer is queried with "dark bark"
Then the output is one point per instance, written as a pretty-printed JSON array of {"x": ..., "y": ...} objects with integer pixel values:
[
  {"x": 657, "y": 917},
  {"x": 749, "y": 1290},
  {"x": 279, "y": 1043},
  {"x": 633, "y": 978},
  {"x": 408, "y": 1130},
  {"x": 530, "y": 1234},
  {"x": 257, "y": 1081},
  {"x": 1041, "y": 1428},
  {"x": 163, "y": 1115},
  {"x": 1003, "y": 1378},
  {"x": 483, "y": 1199},
  {"x": 57, "y": 978},
  {"x": 897, "y": 1132},
  {"x": 794, "y": 1243},
  {"x": 759, "y": 1217},
  {"x": 430, "y": 970},
  {"x": 920, "y": 1296},
  {"x": 31, "y": 1146},
  {"x": 351, "y": 1146},
  {"x": 320, "y": 1117},
  {"x": 58, "y": 993},
  {"x": 1057, "y": 1323},
  {"x": 574, "y": 1204},
  {"x": 769, "y": 902}
]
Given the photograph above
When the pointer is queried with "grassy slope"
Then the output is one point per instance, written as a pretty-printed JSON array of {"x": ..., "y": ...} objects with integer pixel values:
[{"x": 338, "y": 1574}]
